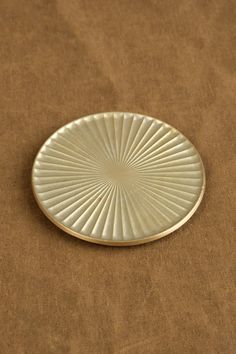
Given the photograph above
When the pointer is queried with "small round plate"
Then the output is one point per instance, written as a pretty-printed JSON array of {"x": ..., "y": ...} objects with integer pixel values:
[{"x": 118, "y": 178}]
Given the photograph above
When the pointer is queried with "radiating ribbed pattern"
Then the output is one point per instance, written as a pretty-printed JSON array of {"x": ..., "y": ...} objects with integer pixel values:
[{"x": 117, "y": 176}]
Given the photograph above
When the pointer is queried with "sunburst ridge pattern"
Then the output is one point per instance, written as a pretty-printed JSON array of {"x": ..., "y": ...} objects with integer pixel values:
[{"x": 118, "y": 178}]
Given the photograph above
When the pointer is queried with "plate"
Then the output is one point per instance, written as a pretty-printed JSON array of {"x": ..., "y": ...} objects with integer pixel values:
[{"x": 118, "y": 178}]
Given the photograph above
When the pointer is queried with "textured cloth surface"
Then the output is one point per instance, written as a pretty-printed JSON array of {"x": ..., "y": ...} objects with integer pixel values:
[{"x": 60, "y": 60}]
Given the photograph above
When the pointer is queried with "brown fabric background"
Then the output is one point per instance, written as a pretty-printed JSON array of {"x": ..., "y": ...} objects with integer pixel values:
[{"x": 64, "y": 59}]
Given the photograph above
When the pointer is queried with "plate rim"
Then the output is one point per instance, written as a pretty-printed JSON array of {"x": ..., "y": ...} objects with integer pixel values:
[{"x": 121, "y": 242}]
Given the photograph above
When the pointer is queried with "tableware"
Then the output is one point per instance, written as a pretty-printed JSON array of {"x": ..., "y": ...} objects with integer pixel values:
[{"x": 118, "y": 178}]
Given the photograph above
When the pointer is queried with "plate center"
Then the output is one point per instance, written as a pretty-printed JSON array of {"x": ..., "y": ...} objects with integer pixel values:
[{"x": 120, "y": 173}]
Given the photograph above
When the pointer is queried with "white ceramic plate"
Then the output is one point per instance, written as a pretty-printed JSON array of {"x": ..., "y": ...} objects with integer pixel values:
[{"x": 118, "y": 178}]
